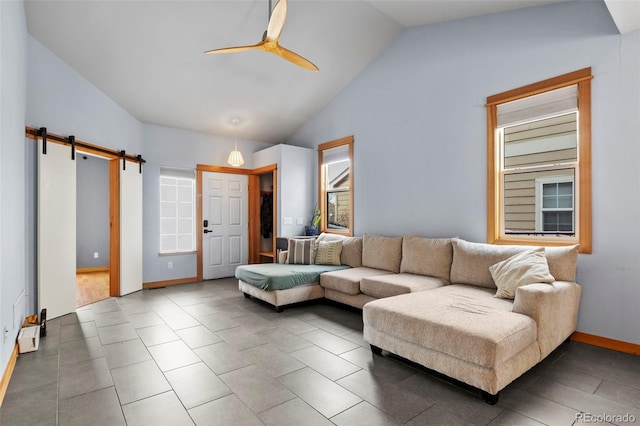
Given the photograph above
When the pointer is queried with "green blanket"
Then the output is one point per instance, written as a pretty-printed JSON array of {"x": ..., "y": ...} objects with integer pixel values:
[{"x": 277, "y": 276}]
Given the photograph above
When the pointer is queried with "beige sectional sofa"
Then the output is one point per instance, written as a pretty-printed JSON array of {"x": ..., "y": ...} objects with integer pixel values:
[{"x": 432, "y": 301}]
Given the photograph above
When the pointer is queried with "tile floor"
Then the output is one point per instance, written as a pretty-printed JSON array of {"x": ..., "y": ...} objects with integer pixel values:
[{"x": 203, "y": 354}]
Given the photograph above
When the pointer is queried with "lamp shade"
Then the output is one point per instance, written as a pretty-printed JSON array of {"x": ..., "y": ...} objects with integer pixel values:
[{"x": 235, "y": 158}]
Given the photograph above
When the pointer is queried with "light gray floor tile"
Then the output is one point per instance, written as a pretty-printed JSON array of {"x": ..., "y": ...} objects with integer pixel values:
[
  {"x": 619, "y": 393},
  {"x": 139, "y": 381},
  {"x": 319, "y": 392},
  {"x": 144, "y": 319},
  {"x": 80, "y": 350},
  {"x": 33, "y": 373},
  {"x": 99, "y": 408},
  {"x": 83, "y": 377},
  {"x": 198, "y": 336},
  {"x": 396, "y": 402},
  {"x": 222, "y": 358},
  {"x": 30, "y": 407},
  {"x": 510, "y": 418},
  {"x": 157, "y": 334},
  {"x": 228, "y": 410},
  {"x": 117, "y": 333},
  {"x": 107, "y": 305},
  {"x": 180, "y": 320},
  {"x": 160, "y": 410},
  {"x": 328, "y": 341},
  {"x": 104, "y": 319},
  {"x": 199, "y": 310},
  {"x": 173, "y": 355},
  {"x": 325, "y": 363},
  {"x": 272, "y": 361},
  {"x": 294, "y": 412},
  {"x": 77, "y": 331},
  {"x": 256, "y": 389},
  {"x": 126, "y": 353},
  {"x": 538, "y": 408},
  {"x": 285, "y": 340},
  {"x": 217, "y": 322},
  {"x": 241, "y": 338},
  {"x": 135, "y": 307},
  {"x": 363, "y": 413},
  {"x": 196, "y": 384},
  {"x": 438, "y": 415}
]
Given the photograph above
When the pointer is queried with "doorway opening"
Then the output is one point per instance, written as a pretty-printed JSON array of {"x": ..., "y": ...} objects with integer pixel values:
[{"x": 92, "y": 229}]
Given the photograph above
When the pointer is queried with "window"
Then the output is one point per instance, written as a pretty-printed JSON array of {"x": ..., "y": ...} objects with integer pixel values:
[
  {"x": 177, "y": 210},
  {"x": 539, "y": 163},
  {"x": 335, "y": 165}
]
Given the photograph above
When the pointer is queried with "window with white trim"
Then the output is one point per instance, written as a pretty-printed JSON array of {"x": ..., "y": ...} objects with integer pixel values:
[
  {"x": 539, "y": 163},
  {"x": 177, "y": 210}
]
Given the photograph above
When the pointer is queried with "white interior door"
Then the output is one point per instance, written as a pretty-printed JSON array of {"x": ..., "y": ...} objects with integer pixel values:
[
  {"x": 130, "y": 228},
  {"x": 56, "y": 230},
  {"x": 225, "y": 210}
]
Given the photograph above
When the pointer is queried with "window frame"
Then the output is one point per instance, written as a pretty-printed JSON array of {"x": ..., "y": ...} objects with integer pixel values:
[
  {"x": 582, "y": 180},
  {"x": 177, "y": 202},
  {"x": 322, "y": 190},
  {"x": 539, "y": 207}
]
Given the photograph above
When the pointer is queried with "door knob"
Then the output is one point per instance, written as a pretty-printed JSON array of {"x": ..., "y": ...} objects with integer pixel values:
[{"x": 206, "y": 231}]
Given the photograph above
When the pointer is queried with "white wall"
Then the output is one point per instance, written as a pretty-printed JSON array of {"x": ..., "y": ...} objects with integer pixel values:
[
  {"x": 169, "y": 147},
  {"x": 418, "y": 116},
  {"x": 13, "y": 203}
]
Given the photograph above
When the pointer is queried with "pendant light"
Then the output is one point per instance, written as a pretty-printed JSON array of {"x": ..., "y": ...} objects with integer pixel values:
[{"x": 235, "y": 158}]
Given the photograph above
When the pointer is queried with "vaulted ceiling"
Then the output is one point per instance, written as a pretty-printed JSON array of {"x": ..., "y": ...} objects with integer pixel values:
[{"x": 148, "y": 55}]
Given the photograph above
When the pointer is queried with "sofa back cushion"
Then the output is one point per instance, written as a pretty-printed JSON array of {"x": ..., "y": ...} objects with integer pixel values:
[
  {"x": 382, "y": 252},
  {"x": 471, "y": 261},
  {"x": 426, "y": 256},
  {"x": 351, "y": 252}
]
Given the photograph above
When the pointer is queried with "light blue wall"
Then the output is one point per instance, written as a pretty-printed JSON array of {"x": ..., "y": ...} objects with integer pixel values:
[
  {"x": 13, "y": 168},
  {"x": 418, "y": 116},
  {"x": 92, "y": 211}
]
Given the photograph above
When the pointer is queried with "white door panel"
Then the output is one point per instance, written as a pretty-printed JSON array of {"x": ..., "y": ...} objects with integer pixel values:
[
  {"x": 56, "y": 230},
  {"x": 130, "y": 229},
  {"x": 225, "y": 208}
]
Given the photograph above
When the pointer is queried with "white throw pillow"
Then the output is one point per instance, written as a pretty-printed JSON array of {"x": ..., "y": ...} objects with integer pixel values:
[{"x": 521, "y": 269}]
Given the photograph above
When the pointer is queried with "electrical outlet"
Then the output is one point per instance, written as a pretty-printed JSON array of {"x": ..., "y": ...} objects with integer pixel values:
[
  {"x": 287, "y": 221},
  {"x": 170, "y": 265},
  {"x": 96, "y": 255},
  {"x": 299, "y": 221}
]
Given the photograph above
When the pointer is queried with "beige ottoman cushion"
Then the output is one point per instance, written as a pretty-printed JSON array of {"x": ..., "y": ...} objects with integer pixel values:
[
  {"x": 395, "y": 284},
  {"x": 348, "y": 280},
  {"x": 468, "y": 325}
]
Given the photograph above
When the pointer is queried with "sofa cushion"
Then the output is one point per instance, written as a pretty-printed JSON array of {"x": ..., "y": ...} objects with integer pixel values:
[
  {"x": 348, "y": 280},
  {"x": 301, "y": 251},
  {"x": 471, "y": 261},
  {"x": 328, "y": 252},
  {"x": 426, "y": 256},
  {"x": 520, "y": 269},
  {"x": 382, "y": 252},
  {"x": 562, "y": 262},
  {"x": 395, "y": 284},
  {"x": 351, "y": 252},
  {"x": 465, "y": 322}
]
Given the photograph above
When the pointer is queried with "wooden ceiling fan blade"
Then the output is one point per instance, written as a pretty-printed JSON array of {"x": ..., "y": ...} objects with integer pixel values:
[
  {"x": 294, "y": 57},
  {"x": 236, "y": 48},
  {"x": 276, "y": 22}
]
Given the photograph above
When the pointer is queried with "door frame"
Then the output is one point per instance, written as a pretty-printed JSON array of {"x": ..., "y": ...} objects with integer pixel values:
[{"x": 254, "y": 188}]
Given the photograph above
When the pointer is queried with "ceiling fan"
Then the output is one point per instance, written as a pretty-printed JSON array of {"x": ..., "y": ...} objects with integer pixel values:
[{"x": 270, "y": 38}]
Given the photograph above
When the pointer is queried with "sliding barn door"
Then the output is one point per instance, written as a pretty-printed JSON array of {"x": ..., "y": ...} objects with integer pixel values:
[
  {"x": 130, "y": 228},
  {"x": 56, "y": 230}
]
